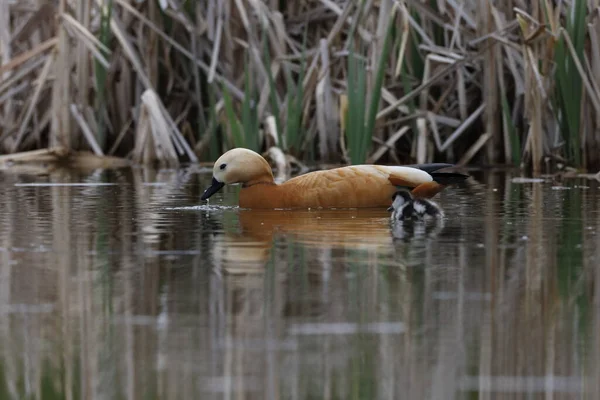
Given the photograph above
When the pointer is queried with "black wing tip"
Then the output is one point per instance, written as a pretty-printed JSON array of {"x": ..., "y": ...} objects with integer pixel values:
[
  {"x": 430, "y": 167},
  {"x": 443, "y": 178},
  {"x": 448, "y": 178}
]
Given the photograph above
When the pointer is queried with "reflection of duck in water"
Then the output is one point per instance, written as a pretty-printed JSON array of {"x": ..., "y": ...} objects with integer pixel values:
[
  {"x": 415, "y": 217},
  {"x": 358, "y": 228},
  {"x": 364, "y": 230}
]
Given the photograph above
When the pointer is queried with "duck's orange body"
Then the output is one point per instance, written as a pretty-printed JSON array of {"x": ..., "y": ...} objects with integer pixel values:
[{"x": 346, "y": 187}]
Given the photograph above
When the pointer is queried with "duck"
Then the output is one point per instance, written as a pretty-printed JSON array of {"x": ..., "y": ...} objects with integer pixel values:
[
  {"x": 354, "y": 186},
  {"x": 405, "y": 207}
]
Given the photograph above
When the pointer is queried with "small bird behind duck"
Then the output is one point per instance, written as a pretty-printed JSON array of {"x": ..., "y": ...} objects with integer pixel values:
[
  {"x": 413, "y": 218},
  {"x": 406, "y": 207}
]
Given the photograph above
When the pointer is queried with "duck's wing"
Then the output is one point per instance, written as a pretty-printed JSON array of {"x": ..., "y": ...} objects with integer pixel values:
[
  {"x": 352, "y": 186},
  {"x": 420, "y": 183},
  {"x": 363, "y": 175},
  {"x": 428, "y": 182},
  {"x": 404, "y": 176},
  {"x": 362, "y": 186}
]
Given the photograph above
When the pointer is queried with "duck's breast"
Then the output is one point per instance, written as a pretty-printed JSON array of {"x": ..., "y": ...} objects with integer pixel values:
[{"x": 262, "y": 196}]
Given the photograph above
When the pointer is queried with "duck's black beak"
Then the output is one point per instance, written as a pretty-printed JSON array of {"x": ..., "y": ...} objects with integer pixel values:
[{"x": 214, "y": 187}]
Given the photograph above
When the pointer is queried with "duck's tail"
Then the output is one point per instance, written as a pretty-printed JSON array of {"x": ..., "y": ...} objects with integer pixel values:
[
  {"x": 448, "y": 178},
  {"x": 442, "y": 178},
  {"x": 431, "y": 167},
  {"x": 439, "y": 182}
]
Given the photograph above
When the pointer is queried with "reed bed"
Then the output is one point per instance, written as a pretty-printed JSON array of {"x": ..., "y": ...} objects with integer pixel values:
[
  {"x": 107, "y": 292},
  {"x": 169, "y": 81}
]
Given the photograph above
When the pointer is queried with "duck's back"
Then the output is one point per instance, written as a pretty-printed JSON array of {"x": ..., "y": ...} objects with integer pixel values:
[{"x": 346, "y": 187}]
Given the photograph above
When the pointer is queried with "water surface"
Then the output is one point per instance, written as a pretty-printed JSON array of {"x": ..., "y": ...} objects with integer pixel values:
[{"x": 123, "y": 284}]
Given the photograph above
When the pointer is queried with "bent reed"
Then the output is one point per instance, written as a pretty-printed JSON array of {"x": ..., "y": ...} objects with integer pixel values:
[{"x": 399, "y": 81}]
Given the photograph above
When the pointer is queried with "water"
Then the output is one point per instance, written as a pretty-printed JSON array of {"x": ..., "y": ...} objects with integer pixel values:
[{"x": 122, "y": 284}]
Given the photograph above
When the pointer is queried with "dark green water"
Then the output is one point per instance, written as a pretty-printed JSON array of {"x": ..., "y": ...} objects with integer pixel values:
[{"x": 122, "y": 285}]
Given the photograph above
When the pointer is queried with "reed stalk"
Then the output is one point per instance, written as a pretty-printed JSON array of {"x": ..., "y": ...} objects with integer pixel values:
[
  {"x": 101, "y": 72},
  {"x": 295, "y": 105},
  {"x": 570, "y": 86},
  {"x": 355, "y": 116}
]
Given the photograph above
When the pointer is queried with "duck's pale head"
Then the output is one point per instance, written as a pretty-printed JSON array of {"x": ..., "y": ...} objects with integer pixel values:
[{"x": 239, "y": 166}]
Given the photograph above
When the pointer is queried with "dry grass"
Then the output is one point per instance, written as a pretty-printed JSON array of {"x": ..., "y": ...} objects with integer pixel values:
[{"x": 465, "y": 81}]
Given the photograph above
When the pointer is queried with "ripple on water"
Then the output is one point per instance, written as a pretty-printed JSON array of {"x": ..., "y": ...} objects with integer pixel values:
[
  {"x": 66, "y": 184},
  {"x": 203, "y": 207}
]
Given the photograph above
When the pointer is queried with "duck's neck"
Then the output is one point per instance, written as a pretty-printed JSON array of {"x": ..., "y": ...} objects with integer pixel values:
[
  {"x": 264, "y": 180},
  {"x": 261, "y": 194}
]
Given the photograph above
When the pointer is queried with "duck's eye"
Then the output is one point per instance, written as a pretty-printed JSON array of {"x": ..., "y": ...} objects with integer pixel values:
[{"x": 222, "y": 166}]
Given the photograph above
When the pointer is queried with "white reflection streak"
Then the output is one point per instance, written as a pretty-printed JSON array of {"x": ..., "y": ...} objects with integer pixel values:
[
  {"x": 343, "y": 328},
  {"x": 522, "y": 384}
]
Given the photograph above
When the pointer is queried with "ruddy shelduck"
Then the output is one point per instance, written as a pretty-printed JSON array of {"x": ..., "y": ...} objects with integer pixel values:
[{"x": 354, "y": 186}]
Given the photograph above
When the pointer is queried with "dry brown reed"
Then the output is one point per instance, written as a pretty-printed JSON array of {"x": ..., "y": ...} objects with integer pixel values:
[{"x": 465, "y": 81}]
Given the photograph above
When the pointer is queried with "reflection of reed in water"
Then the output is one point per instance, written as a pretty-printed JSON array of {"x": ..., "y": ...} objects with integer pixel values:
[{"x": 106, "y": 293}]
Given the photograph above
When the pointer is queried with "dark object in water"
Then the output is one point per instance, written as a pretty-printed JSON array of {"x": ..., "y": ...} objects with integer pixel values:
[
  {"x": 406, "y": 207},
  {"x": 415, "y": 218}
]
